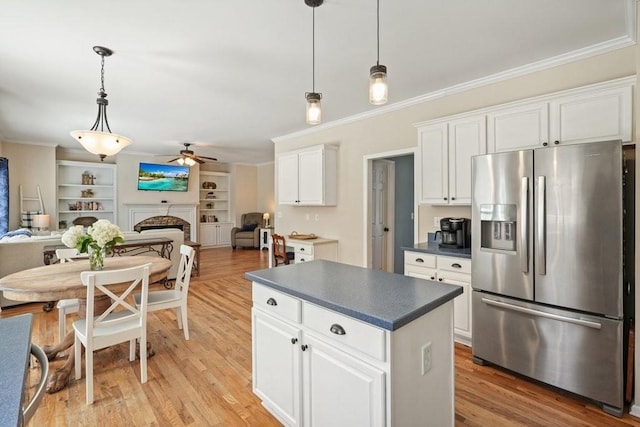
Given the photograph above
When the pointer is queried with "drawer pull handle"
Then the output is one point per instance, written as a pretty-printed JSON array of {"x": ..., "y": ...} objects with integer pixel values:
[
  {"x": 271, "y": 301},
  {"x": 439, "y": 279},
  {"x": 456, "y": 265},
  {"x": 419, "y": 260},
  {"x": 301, "y": 249},
  {"x": 433, "y": 277},
  {"x": 337, "y": 329},
  {"x": 294, "y": 340},
  {"x": 304, "y": 347}
]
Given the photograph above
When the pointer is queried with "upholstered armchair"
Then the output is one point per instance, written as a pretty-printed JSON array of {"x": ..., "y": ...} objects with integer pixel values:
[{"x": 248, "y": 234}]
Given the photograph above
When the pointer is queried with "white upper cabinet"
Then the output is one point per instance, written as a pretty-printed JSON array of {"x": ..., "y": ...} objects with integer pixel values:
[
  {"x": 596, "y": 113},
  {"x": 446, "y": 149},
  {"x": 307, "y": 177}
]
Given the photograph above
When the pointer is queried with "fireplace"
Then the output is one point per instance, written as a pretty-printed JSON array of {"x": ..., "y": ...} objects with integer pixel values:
[{"x": 164, "y": 221}]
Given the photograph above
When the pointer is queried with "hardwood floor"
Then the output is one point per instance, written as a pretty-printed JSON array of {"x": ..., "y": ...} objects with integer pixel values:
[{"x": 206, "y": 381}]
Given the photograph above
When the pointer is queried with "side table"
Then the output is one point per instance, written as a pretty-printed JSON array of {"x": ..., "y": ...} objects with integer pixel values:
[{"x": 265, "y": 237}]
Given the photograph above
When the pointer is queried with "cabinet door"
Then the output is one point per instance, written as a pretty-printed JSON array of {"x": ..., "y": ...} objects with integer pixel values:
[
  {"x": 594, "y": 116},
  {"x": 207, "y": 234},
  {"x": 467, "y": 138},
  {"x": 288, "y": 179},
  {"x": 461, "y": 307},
  {"x": 339, "y": 389},
  {"x": 518, "y": 128},
  {"x": 434, "y": 164},
  {"x": 223, "y": 234},
  {"x": 276, "y": 366},
  {"x": 311, "y": 177}
]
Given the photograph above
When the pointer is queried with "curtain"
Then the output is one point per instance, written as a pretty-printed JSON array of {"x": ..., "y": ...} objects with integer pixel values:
[{"x": 4, "y": 195}]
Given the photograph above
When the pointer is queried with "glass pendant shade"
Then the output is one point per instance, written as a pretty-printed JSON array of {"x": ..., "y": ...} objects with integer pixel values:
[
  {"x": 378, "y": 88},
  {"x": 101, "y": 143},
  {"x": 314, "y": 108},
  {"x": 189, "y": 161}
]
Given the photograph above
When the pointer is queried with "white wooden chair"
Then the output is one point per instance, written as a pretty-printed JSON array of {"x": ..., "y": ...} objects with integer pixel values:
[
  {"x": 176, "y": 297},
  {"x": 112, "y": 327},
  {"x": 66, "y": 306}
]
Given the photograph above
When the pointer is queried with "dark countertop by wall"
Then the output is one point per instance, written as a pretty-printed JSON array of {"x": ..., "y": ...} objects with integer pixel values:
[
  {"x": 432, "y": 247},
  {"x": 386, "y": 300},
  {"x": 14, "y": 354}
]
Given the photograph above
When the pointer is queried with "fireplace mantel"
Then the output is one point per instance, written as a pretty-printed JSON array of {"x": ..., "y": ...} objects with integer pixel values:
[{"x": 140, "y": 212}]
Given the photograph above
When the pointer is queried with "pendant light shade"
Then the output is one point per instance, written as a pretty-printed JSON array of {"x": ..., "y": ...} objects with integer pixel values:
[
  {"x": 314, "y": 107},
  {"x": 378, "y": 88},
  {"x": 98, "y": 140}
]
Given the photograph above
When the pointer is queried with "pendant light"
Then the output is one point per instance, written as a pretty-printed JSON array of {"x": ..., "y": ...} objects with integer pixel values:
[
  {"x": 314, "y": 109},
  {"x": 97, "y": 140},
  {"x": 378, "y": 88}
]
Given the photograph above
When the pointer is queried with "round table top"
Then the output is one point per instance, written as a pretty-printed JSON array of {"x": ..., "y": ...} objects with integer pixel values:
[{"x": 59, "y": 281}]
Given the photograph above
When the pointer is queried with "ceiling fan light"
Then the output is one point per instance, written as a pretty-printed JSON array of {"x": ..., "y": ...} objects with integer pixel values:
[
  {"x": 180, "y": 161},
  {"x": 314, "y": 108},
  {"x": 378, "y": 88},
  {"x": 101, "y": 143},
  {"x": 189, "y": 161}
]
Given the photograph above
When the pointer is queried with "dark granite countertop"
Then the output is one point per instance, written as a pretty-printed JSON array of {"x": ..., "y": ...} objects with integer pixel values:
[
  {"x": 432, "y": 247},
  {"x": 14, "y": 354},
  {"x": 386, "y": 300}
]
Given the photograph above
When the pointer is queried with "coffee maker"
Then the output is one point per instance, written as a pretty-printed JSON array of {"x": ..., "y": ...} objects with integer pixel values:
[{"x": 456, "y": 233}]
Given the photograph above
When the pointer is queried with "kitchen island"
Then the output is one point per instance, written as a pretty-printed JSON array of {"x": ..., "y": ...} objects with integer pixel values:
[{"x": 335, "y": 344}]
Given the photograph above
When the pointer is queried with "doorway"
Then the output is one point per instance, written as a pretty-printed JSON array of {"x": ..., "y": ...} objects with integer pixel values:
[{"x": 389, "y": 208}]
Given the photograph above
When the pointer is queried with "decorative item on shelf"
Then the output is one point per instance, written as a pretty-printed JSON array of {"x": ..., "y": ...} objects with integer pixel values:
[
  {"x": 210, "y": 195},
  {"x": 87, "y": 178},
  {"x": 203, "y": 218},
  {"x": 62, "y": 224},
  {"x": 99, "y": 140},
  {"x": 209, "y": 205},
  {"x": 209, "y": 185},
  {"x": 215, "y": 218},
  {"x": 97, "y": 241},
  {"x": 296, "y": 235},
  {"x": 86, "y": 193},
  {"x": 314, "y": 108}
]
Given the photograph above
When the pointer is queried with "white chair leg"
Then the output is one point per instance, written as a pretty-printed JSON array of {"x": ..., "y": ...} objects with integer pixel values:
[
  {"x": 62, "y": 323},
  {"x": 77, "y": 349},
  {"x": 143, "y": 357},
  {"x": 185, "y": 323},
  {"x": 132, "y": 350},
  {"x": 178, "y": 317},
  {"x": 88, "y": 372}
]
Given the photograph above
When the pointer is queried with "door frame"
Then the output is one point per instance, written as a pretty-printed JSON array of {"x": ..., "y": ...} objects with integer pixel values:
[{"x": 367, "y": 168}]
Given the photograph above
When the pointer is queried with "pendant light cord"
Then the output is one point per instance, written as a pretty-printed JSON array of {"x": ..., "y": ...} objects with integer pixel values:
[
  {"x": 313, "y": 50},
  {"x": 378, "y": 31},
  {"x": 102, "y": 74}
]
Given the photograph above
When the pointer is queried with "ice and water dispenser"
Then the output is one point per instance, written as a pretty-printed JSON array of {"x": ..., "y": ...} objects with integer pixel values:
[{"x": 498, "y": 227}]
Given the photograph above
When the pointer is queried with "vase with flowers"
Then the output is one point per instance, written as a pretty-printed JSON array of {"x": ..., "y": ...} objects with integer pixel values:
[{"x": 97, "y": 240}]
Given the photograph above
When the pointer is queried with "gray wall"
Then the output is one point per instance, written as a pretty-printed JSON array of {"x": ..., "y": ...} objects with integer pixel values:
[{"x": 403, "y": 226}]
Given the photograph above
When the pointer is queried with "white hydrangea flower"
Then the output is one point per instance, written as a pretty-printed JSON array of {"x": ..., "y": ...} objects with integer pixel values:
[
  {"x": 71, "y": 236},
  {"x": 100, "y": 235}
]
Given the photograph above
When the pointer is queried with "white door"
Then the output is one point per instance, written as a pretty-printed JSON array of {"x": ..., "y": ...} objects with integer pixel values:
[
  {"x": 379, "y": 227},
  {"x": 276, "y": 366},
  {"x": 339, "y": 389}
]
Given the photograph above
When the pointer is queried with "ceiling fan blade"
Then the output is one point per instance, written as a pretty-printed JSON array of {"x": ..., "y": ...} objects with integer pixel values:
[
  {"x": 208, "y": 158},
  {"x": 173, "y": 160}
]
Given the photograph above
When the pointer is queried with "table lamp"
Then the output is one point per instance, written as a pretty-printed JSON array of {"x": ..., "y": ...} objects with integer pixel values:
[
  {"x": 265, "y": 217},
  {"x": 41, "y": 222}
]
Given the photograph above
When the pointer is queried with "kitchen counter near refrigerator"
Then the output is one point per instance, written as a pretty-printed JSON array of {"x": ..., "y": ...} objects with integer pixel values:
[
  {"x": 379, "y": 344},
  {"x": 432, "y": 246}
]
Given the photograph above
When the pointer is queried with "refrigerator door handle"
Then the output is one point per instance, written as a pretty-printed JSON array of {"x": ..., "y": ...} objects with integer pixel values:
[
  {"x": 524, "y": 225},
  {"x": 541, "y": 253},
  {"x": 525, "y": 310}
]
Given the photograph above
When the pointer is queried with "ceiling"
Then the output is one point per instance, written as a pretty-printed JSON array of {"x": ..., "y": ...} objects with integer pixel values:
[{"x": 230, "y": 75}]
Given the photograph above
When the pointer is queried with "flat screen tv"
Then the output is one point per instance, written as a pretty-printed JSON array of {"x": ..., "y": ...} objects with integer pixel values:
[{"x": 158, "y": 177}]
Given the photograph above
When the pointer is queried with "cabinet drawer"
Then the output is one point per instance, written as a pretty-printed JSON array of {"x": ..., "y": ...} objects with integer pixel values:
[
  {"x": 345, "y": 330},
  {"x": 276, "y": 302},
  {"x": 457, "y": 265},
  {"x": 302, "y": 257},
  {"x": 303, "y": 249},
  {"x": 420, "y": 259}
]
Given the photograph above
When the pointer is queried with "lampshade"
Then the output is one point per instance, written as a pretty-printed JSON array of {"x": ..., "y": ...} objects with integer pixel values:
[
  {"x": 265, "y": 216},
  {"x": 101, "y": 143},
  {"x": 41, "y": 222}
]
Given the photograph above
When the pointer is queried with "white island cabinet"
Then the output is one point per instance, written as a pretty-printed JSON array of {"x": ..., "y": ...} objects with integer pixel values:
[{"x": 378, "y": 355}]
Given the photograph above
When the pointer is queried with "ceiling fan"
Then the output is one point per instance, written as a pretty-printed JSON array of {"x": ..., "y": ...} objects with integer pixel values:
[{"x": 189, "y": 158}]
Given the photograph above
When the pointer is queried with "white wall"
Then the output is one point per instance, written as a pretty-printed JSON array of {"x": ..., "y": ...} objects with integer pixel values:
[{"x": 394, "y": 130}]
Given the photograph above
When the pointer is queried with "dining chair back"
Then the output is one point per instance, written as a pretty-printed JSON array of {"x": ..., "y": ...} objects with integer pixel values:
[
  {"x": 120, "y": 322},
  {"x": 175, "y": 298},
  {"x": 279, "y": 249},
  {"x": 66, "y": 306}
]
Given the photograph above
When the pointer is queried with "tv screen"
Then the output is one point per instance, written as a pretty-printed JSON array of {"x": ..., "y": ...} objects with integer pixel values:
[{"x": 157, "y": 177}]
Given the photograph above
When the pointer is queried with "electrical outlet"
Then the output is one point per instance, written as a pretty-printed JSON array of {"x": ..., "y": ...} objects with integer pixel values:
[
  {"x": 426, "y": 358},
  {"x": 436, "y": 221}
]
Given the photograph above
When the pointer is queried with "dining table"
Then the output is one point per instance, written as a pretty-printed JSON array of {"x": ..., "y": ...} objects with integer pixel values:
[{"x": 62, "y": 281}]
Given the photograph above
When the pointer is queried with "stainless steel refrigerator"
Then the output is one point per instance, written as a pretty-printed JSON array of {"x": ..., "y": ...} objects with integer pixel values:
[{"x": 547, "y": 267}]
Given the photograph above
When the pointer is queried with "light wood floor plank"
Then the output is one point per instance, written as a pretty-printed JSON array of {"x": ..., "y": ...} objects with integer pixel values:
[{"x": 206, "y": 381}]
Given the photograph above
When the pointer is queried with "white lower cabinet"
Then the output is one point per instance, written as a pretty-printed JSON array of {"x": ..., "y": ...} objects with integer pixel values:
[
  {"x": 451, "y": 270},
  {"x": 315, "y": 367},
  {"x": 215, "y": 233}
]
